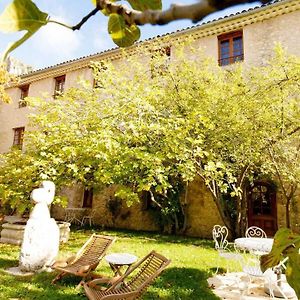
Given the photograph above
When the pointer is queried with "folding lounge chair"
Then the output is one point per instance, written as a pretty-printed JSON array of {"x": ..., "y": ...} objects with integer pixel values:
[
  {"x": 86, "y": 260},
  {"x": 132, "y": 284}
]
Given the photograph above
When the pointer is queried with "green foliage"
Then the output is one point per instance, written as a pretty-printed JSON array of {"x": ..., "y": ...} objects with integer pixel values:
[
  {"x": 286, "y": 244},
  {"x": 21, "y": 15},
  {"x": 148, "y": 133},
  {"x": 122, "y": 34},
  {"x": 5, "y": 78}
]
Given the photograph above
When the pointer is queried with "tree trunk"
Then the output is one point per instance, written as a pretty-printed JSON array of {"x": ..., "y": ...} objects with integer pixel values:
[
  {"x": 226, "y": 220},
  {"x": 287, "y": 213}
]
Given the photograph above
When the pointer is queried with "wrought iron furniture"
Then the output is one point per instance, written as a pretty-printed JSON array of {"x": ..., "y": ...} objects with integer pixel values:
[
  {"x": 255, "y": 231},
  {"x": 220, "y": 235},
  {"x": 132, "y": 284},
  {"x": 276, "y": 285},
  {"x": 256, "y": 246},
  {"x": 88, "y": 217},
  {"x": 74, "y": 214},
  {"x": 86, "y": 260}
]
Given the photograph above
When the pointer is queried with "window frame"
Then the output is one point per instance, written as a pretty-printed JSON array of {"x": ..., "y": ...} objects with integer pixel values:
[
  {"x": 24, "y": 90},
  {"x": 231, "y": 58},
  {"x": 59, "y": 85},
  {"x": 18, "y": 136}
]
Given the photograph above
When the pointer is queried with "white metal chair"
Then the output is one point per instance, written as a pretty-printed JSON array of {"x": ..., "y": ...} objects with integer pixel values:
[
  {"x": 255, "y": 231},
  {"x": 276, "y": 285},
  {"x": 251, "y": 266},
  {"x": 220, "y": 235},
  {"x": 88, "y": 218}
]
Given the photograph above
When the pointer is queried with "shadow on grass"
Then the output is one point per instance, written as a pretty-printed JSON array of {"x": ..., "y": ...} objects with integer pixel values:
[
  {"x": 181, "y": 283},
  {"x": 37, "y": 287},
  {"x": 8, "y": 263},
  {"x": 144, "y": 235},
  {"x": 172, "y": 284}
]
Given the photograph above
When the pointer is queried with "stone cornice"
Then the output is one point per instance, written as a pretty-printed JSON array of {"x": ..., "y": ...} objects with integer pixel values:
[
  {"x": 217, "y": 27},
  {"x": 239, "y": 21}
]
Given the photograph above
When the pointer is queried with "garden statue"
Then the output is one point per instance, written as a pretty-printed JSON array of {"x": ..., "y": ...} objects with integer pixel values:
[{"x": 41, "y": 237}]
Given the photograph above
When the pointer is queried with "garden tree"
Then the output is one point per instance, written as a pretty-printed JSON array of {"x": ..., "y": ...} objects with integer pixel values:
[
  {"x": 123, "y": 22},
  {"x": 285, "y": 167},
  {"x": 5, "y": 78},
  {"x": 283, "y": 149},
  {"x": 157, "y": 128}
]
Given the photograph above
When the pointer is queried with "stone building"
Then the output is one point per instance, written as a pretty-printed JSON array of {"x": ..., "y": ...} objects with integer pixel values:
[{"x": 248, "y": 37}]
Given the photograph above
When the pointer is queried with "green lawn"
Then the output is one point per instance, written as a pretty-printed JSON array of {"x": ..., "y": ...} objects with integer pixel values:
[{"x": 192, "y": 263}]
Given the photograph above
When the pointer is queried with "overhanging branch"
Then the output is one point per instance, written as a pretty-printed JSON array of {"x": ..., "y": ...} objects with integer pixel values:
[{"x": 194, "y": 12}]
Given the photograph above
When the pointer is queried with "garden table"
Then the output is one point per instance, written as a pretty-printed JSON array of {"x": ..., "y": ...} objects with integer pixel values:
[
  {"x": 74, "y": 214},
  {"x": 118, "y": 260},
  {"x": 254, "y": 245}
]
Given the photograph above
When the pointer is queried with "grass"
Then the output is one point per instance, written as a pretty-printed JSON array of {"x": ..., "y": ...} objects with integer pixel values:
[{"x": 193, "y": 261}]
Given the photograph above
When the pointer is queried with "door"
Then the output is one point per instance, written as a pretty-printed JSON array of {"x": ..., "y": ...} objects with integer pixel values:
[{"x": 262, "y": 207}]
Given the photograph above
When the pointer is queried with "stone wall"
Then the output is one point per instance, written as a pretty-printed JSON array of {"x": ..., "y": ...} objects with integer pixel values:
[
  {"x": 202, "y": 212},
  {"x": 109, "y": 211}
]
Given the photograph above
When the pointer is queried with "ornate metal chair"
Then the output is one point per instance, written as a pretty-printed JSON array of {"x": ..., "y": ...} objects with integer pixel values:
[
  {"x": 86, "y": 260},
  {"x": 276, "y": 285},
  {"x": 88, "y": 217},
  {"x": 132, "y": 284},
  {"x": 251, "y": 265},
  {"x": 220, "y": 235},
  {"x": 255, "y": 231}
]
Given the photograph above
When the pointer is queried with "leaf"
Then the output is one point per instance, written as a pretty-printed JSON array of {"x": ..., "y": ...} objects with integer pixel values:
[
  {"x": 15, "y": 45},
  {"x": 21, "y": 15},
  {"x": 143, "y": 5},
  {"x": 122, "y": 34}
]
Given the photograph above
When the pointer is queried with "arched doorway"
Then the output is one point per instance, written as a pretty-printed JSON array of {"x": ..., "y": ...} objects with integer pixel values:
[{"x": 262, "y": 210}]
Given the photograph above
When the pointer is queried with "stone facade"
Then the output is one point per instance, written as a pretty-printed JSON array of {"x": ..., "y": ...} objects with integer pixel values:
[{"x": 262, "y": 28}]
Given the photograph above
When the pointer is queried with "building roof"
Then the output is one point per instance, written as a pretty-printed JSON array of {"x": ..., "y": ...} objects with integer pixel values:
[{"x": 193, "y": 30}]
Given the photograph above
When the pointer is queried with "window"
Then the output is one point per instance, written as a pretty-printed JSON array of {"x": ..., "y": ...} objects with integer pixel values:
[
  {"x": 87, "y": 198},
  {"x": 231, "y": 48},
  {"x": 18, "y": 137},
  {"x": 59, "y": 85},
  {"x": 24, "y": 93}
]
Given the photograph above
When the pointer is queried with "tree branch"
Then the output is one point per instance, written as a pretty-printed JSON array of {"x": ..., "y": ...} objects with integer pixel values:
[
  {"x": 194, "y": 12},
  {"x": 84, "y": 19}
]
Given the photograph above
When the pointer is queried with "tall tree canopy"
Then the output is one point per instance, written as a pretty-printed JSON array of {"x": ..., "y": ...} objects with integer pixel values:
[{"x": 159, "y": 127}]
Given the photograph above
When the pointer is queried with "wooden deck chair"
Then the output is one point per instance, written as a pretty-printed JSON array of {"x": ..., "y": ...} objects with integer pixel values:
[
  {"x": 86, "y": 260},
  {"x": 132, "y": 284}
]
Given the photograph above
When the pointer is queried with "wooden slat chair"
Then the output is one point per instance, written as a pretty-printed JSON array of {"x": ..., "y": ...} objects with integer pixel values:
[
  {"x": 132, "y": 284},
  {"x": 86, "y": 260}
]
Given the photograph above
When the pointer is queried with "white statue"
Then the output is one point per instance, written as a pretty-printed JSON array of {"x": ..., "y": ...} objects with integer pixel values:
[{"x": 41, "y": 237}]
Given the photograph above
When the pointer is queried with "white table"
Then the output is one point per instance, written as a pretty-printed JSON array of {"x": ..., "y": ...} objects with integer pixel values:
[
  {"x": 74, "y": 214},
  {"x": 118, "y": 260},
  {"x": 256, "y": 245}
]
